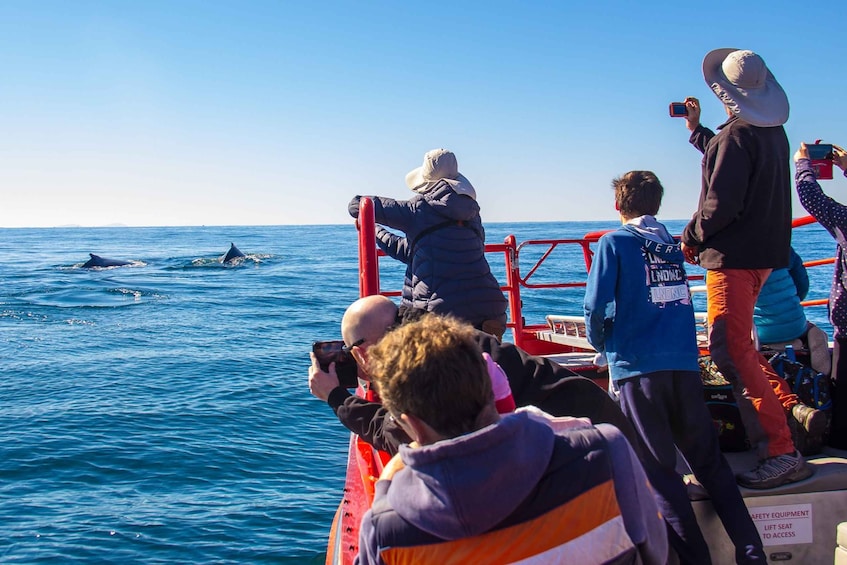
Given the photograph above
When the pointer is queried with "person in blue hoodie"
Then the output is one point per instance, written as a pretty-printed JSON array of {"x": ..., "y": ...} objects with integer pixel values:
[
  {"x": 638, "y": 313},
  {"x": 443, "y": 245}
]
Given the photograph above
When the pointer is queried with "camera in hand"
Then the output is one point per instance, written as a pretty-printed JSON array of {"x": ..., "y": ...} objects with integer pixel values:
[
  {"x": 345, "y": 365},
  {"x": 820, "y": 155},
  {"x": 677, "y": 110}
]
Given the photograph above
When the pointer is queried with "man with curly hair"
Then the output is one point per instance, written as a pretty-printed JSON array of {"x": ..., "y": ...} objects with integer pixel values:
[{"x": 500, "y": 489}]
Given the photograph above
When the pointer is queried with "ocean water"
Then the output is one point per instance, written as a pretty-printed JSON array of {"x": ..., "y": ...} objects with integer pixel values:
[{"x": 159, "y": 412}]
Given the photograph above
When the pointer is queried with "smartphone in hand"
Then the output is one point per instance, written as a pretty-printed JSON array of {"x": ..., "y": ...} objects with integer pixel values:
[
  {"x": 345, "y": 365},
  {"x": 820, "y": 155}
]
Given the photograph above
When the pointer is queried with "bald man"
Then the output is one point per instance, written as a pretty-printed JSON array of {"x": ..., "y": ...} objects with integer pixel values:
[{"x": 534, "y": 380}]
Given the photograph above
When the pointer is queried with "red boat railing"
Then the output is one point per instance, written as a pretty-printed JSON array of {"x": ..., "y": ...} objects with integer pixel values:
[
  {"x": 368, "y": 252},
  {"x": 523, "y": 333}
]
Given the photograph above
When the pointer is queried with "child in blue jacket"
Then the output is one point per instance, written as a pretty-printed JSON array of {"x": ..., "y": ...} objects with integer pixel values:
[{"x": 638, "y": 313}]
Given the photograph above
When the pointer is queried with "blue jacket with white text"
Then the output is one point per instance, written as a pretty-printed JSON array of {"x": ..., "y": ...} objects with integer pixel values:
[{"x": 638, "y": 307}]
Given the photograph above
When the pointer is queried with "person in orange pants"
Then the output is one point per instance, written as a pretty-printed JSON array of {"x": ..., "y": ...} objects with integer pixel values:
[{"x": 740, "y": 232}]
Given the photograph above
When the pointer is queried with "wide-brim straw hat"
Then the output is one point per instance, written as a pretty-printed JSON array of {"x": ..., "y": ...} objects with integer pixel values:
[
  {"x": 439, "y": 164},
  {"x": 742, "y": 81}
]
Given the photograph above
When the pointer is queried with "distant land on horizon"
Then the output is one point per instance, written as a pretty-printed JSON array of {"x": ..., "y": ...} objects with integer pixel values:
[{"x": 115, "y": 225}]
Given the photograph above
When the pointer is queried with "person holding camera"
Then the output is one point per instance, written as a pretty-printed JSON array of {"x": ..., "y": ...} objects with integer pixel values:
[
  {"x": 832, "y": 215},
  {"x": 739, "y": 234},
  {"x": 364, "y": 323},
  {"x": 532, "y": 380},
  {"x": 443, "y": 247}
]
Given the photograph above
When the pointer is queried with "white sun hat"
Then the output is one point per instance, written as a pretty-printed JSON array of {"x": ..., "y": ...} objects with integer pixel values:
[
  {"x": 742, "y": 81},
  {"x": 439, "y": 164}
]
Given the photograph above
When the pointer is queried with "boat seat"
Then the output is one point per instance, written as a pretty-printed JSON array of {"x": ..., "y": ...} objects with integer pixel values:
[
  {"x": 570, "y": 331},
  {"x": 566, "y": 330}
]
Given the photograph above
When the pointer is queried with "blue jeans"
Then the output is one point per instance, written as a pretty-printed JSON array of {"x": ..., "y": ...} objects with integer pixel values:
[{"x": 668, "y": 411}]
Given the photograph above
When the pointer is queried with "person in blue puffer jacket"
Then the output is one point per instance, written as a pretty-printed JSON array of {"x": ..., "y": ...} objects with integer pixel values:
[
  {"x": 443, "y": 247},
  {"x": 778, "y": 315}
]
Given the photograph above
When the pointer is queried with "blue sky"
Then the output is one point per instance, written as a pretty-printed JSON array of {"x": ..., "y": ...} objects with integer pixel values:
[{"x": 272, "y": 112}]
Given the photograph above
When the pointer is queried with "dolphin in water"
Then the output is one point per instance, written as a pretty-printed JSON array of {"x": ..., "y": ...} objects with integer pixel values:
[
  {"x": 97, "y": 261},
  {"x": 231, "y": 255}
]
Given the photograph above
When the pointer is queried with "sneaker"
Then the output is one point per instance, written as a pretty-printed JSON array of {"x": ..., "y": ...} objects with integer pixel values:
[
  {"x": 775, "y": 471},
  {"x": 813, "y": 421}
]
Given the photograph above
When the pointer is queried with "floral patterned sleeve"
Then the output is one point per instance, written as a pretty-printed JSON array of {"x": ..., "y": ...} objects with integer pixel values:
[{"x": 828, "y": 212}]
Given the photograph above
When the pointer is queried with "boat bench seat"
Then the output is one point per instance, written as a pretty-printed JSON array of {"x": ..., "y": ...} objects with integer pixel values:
[
  {"x": 570, "y": 331},
  {"x": 566, "y": 330}
]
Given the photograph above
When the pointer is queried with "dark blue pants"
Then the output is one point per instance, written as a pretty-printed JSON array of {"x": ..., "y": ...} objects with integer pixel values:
[{"x": 668, "y": 411}]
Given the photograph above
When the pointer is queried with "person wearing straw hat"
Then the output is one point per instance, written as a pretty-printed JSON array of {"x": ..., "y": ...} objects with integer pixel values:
[
  {"x": 739, "y": 234},
  {"x": 443, "y": 247}
]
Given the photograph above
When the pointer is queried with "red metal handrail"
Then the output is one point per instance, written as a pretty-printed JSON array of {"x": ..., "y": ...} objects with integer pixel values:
[
  {"x": 803, "y": 221},
  {"x": 819, "y": 262},
  {"x": 552, "y": 244},
  {"x": 369, "y": 256}
]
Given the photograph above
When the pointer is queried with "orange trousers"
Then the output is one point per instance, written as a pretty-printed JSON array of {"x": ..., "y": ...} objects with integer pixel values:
[{"x": 762, "y": 395}]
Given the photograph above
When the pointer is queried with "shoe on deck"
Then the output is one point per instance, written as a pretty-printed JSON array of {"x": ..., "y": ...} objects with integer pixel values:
[
  {"x": 813, "y": 421},
  {"x": 775, "y": 471}
]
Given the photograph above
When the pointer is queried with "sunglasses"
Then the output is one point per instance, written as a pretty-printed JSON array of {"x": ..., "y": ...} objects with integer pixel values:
[{"x": 356, "y": 343}]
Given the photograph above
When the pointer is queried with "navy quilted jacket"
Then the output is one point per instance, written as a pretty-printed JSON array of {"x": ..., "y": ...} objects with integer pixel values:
[{"x": 446, "y": 271}]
